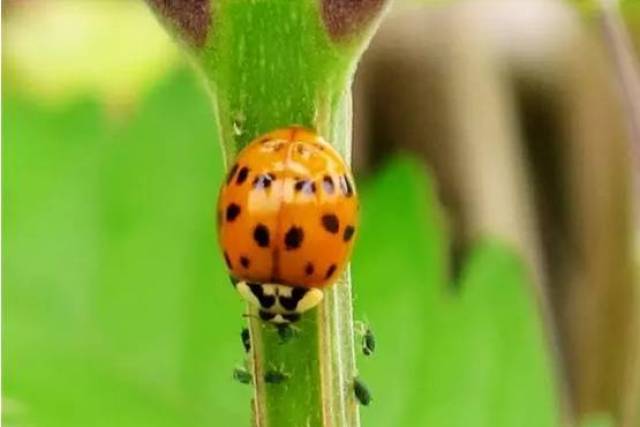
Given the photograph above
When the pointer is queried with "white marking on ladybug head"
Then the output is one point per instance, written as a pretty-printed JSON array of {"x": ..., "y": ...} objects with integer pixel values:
[
  {"x": 310, "y": 300},
  {"x": 278, "y": 319},
  {"x": 282, "y": 301},
  {"x": 246, "y": 294}
]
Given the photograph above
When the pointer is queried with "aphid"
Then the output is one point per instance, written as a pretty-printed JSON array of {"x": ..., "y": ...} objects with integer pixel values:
[
  {"x": 362, "y": 392},
  {"x": 287, "y": 219},
  {"x": 285, "y": 332},
  {"x": 246, "y": 339},
  {"x": 242, "y": 375},
  {"x": 368, "y": 342},
  {"x": 275, "y": 376}
]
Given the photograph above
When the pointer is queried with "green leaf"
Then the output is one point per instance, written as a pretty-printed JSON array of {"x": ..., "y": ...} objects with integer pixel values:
[
  {"x": 117, "y": 310},
  {"x": 474, "y": 357}
]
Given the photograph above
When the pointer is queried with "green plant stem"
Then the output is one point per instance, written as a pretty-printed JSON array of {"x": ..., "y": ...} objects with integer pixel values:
[
  {"x": 319, "y": 361},
  {"x": 272, "y": 64}
]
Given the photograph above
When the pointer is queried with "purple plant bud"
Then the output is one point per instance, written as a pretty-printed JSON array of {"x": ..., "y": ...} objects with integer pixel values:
[
  {"x": 191, "y": 18},
  {"x": 346, "y": 17}
]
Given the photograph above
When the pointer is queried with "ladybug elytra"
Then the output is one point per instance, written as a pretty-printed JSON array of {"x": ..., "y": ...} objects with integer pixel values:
[{"x": 287, "y": 218}]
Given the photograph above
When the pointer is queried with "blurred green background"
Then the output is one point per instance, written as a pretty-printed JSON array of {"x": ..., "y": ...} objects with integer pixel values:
[{"x": 116, "y": 306}]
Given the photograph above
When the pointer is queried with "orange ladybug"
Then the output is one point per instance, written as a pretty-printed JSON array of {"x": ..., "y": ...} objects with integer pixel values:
[{"x": 287, "y": 219}]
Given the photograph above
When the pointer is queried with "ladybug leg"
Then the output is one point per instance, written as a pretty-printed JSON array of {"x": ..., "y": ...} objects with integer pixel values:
[{"x": 361, "y": 392}]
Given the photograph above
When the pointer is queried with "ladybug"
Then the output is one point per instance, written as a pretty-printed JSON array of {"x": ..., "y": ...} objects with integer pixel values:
[{"x": 287, "y": 219}]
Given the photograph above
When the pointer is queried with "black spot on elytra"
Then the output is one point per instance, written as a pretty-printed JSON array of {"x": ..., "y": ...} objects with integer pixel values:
[
  {"x": 263, "y": 181},
  {"x": 331, "y": 223},
  {"x": 245, "y": 262},
  {"x": 328, "y": 185},
  {"x": 227, "y": 260},
  {"x": 307, "y": 187},
  {"x": 330, "y": 271},
  {"x": 345, "y": 186},
  {"x": 232, "y": 173},
  {"x": 308, "y": 270},
  {"x": 293, "y": 238},
  {"x": 290, "y": 303},
  {"x": 242, "y": 175},
  {"x": 233, "y": 211},
  {"x": 266, "y": 301},
  {"x": 348, "y": 233},
  {"x": 261, "y": 235}
]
